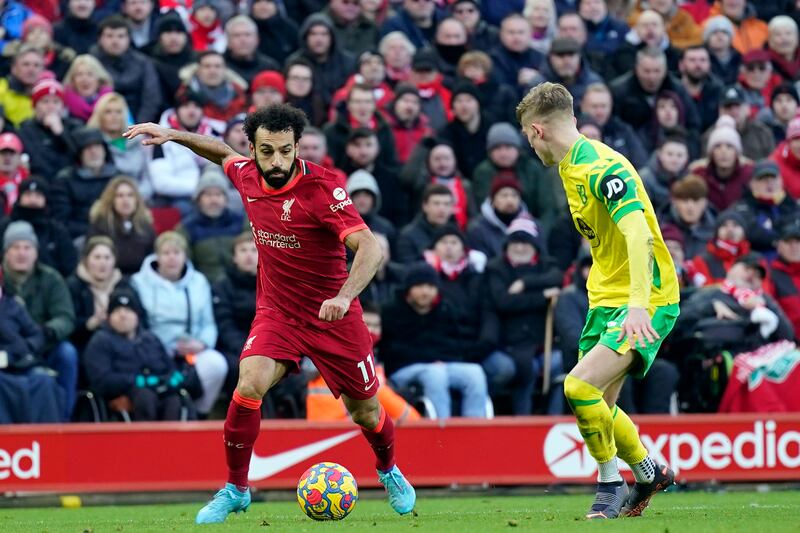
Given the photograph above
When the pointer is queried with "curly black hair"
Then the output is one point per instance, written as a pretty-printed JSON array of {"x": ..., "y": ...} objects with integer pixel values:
[{"x": 274, "y": 118}]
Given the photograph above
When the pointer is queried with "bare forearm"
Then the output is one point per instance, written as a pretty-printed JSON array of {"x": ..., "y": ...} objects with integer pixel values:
[
  {"x": 365, "y": 265},
  {"x": 205, "y": 146}
]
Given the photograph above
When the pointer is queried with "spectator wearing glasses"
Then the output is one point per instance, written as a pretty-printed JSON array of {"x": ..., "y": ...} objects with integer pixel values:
[
  {"x": 757, "y": 80},
  {"x": 482, "y": 35}
]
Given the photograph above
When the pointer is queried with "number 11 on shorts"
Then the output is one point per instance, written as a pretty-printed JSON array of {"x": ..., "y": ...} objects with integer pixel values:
[{"x": 362, "y": 365}]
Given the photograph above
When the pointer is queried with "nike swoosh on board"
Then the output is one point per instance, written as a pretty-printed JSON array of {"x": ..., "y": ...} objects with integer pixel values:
[{"x": 264, "y": 467}]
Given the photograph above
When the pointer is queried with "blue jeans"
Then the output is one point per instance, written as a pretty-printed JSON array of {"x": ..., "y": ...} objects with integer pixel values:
[
  {"x": 517, "y": 371},
  {"x": 437, "y": 379},
  {"x": 64, "y": 360}
]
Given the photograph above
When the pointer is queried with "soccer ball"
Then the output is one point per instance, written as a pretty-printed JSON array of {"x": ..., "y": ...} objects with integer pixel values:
[{"x": 327, "y": 491}]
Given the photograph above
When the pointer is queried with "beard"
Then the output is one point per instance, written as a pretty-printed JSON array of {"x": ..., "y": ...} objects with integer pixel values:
[
  {"x": 276, "y": 177},
  {"x": 697, "y": 79}
]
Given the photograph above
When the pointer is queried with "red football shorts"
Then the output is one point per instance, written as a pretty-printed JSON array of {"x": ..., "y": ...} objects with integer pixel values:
[{"x": 342, "y": 353}]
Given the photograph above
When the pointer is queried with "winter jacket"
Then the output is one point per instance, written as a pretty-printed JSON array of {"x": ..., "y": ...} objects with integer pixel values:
[
  {"x": 168, "y": 68},
  {"x": 694, "y": 237},
  {"x": 48, "y": 302},
  {"x": 49, "y": 153},
  {"x": 484, "y": 37},
  {"x": 16, "y": 101},
  {"x": 436, "y": 106},
  {"x": 763, "y": 220},
  {"x": 20, "y": 337},
  {"x": 407, "y": 136},
  {"x": 218, "y": 109},
  {"x": 414, "y": 239},
  {"x": 278, "y": 37},
  {"x": 727, "y": 71},
  {"x": 507, "y": 64},
  {"x": 78, "y": 34},
  {"x": 606, "y": 36},
  {"x": 176, "y": 309},
  {"x": 465, "y": 292},
  {"x": 635, "y": 106},
  {"x": 112, "y": 361},
  {"x": 383, "y": 288},
  {"x": 337, "y": 132},
  {"x": 624, "y": 59},
  {"x": 12, "y": 17},
  {"x": 722, "y": 193},
  {"x": 332, "y": 72},
  {"x": 409, "y": 337},
  {"x": 131, "y": 247},
  {"x": 136, "y": 79},
  {"x": 498, "y": 101},
  {"x": 586, "y": 76},
  {"x": 132, "y": 159},
  {"x": 486, "y": 233},
  {"x": 707, "y": 102},
  {"x": 621, "y": 137},
  {"x": 750, "y": 33},
  {"x": 469, "y": 147},
  {"x": 538, "y": 186},
  {"x": 211, "y": 240},
  {"x": 789, "y": 166},
  {"x": 362, "y": 181},
  {"x": 356, "y": 37},
  {"x": 564, "y": 241},
  {"x": 248, "y": 68},
  {"x": 521, "y": 315},
  {"x": 711, "y": 266},
  {"x": 55, "y": 244},
  {"x": 403, "y": 22},
  {"x": 74, "y": 191},
  {"x": 785, "y": 278},
  {"x": 83, "y": 302},
  {"x": 786, "y": 69},
  {"x": 234, "y": 309},
  {"x": 657, "y": 182}
]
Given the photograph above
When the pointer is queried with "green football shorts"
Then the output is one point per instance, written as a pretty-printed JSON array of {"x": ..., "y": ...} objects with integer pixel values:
[{"x": 603, "y": 325}]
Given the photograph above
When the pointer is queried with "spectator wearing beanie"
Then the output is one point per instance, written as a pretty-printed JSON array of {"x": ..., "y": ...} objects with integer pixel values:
[
  {"x": 765, "y": 208},
  {"x": 783, "y": 107},
  {"x": 468, "y": 129},
  {"x": 278, "y": 32},
  {"x": 436, "y": 97},
  {"x": 409, "y": 126},
  {"x": 78, "y": 29},
  {"x": 689, "y": 211},
  {"x": 487, "y": 231},
  {"x": 519, "y": 284},
  {"x": 211, "y": 227},
  {"x": 787, "y": 156},
  {"x": 725, "y": 170},
  {"x": 47, "y": 136},
  {"x": 728, "y": 245},
  {"x": 421, "y": 343},
  {"x": 757, "y": 139},
  {"x": 171, "y": 52},
  {"x": 12, "y": 171},
  {"x": 725, "y": 59},
  {"x": 128, "y": 366},
  {"x": 268, "y": 87},
  {"x": 505, "y": 159},
  {"x": 366, "y": 195},
  {"x": 47, "y": 300},
  {"x": 77, "y": 187},
  {"x": 749, "y": 32},
  {"x": 55, "y": 245},
  {"x": 785, "y": 273},
  {"x": 673, "y": 239}
]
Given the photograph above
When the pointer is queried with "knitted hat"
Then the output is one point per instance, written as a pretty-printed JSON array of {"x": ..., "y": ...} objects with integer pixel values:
[
  {"x": 211, "y": 177},
  {"x": 465, "y": 87},
  {"x": 10, "y": 141},
  {"x": 444, "y": 231},
  {"x": 170, "y": 21},
  {"x": 234, "y": 120},
  {"x": 85, "y": 136},
  {"x": 34, "y": 184},
  {"x": 786, "y": 88},
  {"x": 725, "y": 135},
  {"x": 124, "y": 297},
  {"x": 269, "y": 78},
  {"x": 504, "y": 182},
  {"x": 727, "y": 215},
  {"x": 793, "y": 129},
  {"x": 715, "y": 24},
  {"x": 184, "y": 95},
  {"x": 44, "y": 88},
  {"x": 420, "y": 274},
  {"x": 671, "y": 233},
  {"x": 19, "y": 230},
  {"x": 36, "y": 21},
  {"x": 403, "y": 89},
  {"x": 424, "y": 59},
  {"x": 524, "y": 229},
  {"x": 502, "y": 133}
]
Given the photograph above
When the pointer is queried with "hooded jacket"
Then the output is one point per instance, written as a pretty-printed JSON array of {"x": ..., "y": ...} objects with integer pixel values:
[
  {"x": 234, "y": 308},
  {"x": 789, "y": 166},
  {"x": 211, "y": 240},
  {"x": 179, "y": 308},
  {"x": 168, "y": 67},
  {"x": 486, "y": 233},
  {"x": 763, "y": 220},
  {"x": 136, "y": 79},
  {"x": 361, "y": 180},
  {"x": 329, "y": 73},
  {"x": 55, "y": 244},
  {"x": 49, "y": 153}
]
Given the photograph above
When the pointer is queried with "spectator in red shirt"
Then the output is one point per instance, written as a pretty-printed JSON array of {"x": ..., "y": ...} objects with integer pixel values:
[
  {"x": 409, "y": 125},
  {"x": 12, "y": 171},
  {"x": 787, "y": 155},
  {"x": 785, "y": 273}
]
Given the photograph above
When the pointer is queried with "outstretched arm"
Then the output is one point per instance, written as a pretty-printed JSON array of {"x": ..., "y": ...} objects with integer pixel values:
[
  {"x": 365, "y": 263},
  {"x": 207, "y": 147}
]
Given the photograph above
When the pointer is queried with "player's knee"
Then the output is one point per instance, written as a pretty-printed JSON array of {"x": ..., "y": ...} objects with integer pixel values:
[
  {"x": 366, "y": 416},
  {"x": 252, "y": 385},
  {"x": 572, "y": 387}
]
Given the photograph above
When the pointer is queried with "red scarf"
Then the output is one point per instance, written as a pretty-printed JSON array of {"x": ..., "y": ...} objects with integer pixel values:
[
  {"x": 372, "y": 124},
  {"x": 204, "y": 128},
  {"x": 741, "y": 295},
  {"x": 456, "y": 186},
  {"x": 449, "y": 270},
  {"x": 727, "y": 250}
]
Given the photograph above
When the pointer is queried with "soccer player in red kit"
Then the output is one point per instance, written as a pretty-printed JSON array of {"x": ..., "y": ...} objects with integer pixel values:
[{"x": 307, "y": 304}]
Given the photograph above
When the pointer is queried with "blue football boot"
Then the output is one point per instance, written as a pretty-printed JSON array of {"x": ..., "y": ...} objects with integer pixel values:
[
  {"x": 402, "y": 496},
  {"x": 228, "y": 500}
]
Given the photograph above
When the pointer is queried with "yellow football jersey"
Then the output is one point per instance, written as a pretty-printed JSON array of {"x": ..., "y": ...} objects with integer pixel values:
[{"x": 602, "y": 187}]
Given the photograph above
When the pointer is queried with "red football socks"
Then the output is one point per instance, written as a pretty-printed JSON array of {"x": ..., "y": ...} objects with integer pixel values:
[
  {"x": 241, "y": 430},
  {"x": 382, "y": 441}
]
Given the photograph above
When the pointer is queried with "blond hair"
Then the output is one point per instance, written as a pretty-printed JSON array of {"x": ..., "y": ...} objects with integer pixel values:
[
  {"x": 171, "y": 237},
  {"x": 90, "y": 62},
  {"x": 103, "y": 217},
  {"x": 100, "y": 107},
  {"x": 543, "y": 102}
]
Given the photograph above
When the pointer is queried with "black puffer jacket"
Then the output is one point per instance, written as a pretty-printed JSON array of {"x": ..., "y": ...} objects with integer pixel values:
[
  {"x": 234, "y": 309},
  {"x": 55, "y": 245},
  {"x": 136, "y": 79}
]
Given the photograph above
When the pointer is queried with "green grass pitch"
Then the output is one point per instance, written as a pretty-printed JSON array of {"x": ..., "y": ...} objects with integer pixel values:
[{"x": 688, "y": 512}]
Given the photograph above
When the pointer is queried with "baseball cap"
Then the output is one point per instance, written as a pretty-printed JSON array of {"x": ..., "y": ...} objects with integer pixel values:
[
  {"x": 10, "y": 141},
  {"x": 732, "y": 95},
  {"x": 756, "y": 56},
  {"x": 564, "y": 45},
  {"x": 790, "y": 230},
  {"x": 424, "y": 59},
  {"x": 765, "y": 168}
]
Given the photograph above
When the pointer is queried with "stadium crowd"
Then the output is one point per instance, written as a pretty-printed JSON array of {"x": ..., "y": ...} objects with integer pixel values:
[{"x": 130, "y": 270}]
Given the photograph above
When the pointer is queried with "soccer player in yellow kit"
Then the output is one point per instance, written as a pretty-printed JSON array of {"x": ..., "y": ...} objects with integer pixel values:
[{"x": 633, "y": 294}]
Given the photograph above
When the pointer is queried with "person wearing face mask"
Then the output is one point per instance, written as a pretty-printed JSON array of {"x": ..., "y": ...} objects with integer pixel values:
[
  {"x": 211, "y": 226},
  {"x": 728, "y": 244},
  {"x": 55, "y": 247},
  {"x": 688, "y": 210},
  {"x": 91, "y": 285},
  {"x": 765, "y": 208},
  {"x": 450, "y": 43}
]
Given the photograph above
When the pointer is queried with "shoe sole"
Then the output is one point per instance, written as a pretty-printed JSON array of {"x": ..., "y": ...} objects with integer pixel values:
[{"x": 639, "y": 509}]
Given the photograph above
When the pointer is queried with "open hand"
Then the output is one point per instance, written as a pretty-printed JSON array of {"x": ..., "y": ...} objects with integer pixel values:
[
  {"x": 334, "y": 309},
  {"x": 724, "y": 312},
  {"x": 638, "y": 328},
  {"x": 157, "y": 134}
]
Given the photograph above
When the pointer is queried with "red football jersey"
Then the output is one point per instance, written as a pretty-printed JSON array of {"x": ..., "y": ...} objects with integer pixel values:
[{"x": 299, "y": 231}]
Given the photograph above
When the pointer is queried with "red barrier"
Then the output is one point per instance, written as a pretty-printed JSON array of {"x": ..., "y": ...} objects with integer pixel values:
[{"x": 504, "y": 451}]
